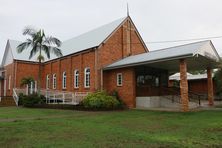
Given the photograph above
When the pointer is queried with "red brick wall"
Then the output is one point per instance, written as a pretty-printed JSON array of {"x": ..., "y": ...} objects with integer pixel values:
[
  {"x": 9, "y": 71},
  {"x": 18, "y": 70},
  {"x": 69, "y": 64},
  {"x": 199, "y": 86},
  {"x": 127, "y": 91},
  {"x": 24, "y": 69},
  {"x": 114, "y": 49}
]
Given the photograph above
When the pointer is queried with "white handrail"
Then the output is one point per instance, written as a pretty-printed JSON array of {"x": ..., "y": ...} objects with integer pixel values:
[
  {"x": 55, "y": 96},
  {"x": 15, "y": 96}
]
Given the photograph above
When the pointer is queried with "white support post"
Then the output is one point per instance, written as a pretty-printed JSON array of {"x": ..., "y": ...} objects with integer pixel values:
[
  {"x": 72, "y": 98},
  {"x": 63, "y": 97},
  {"x": 35, "y": 86},
  {"x": 31, "y": 89},
  {"x": 27, "y": 89},
  {"x": 54, "y": 98}
]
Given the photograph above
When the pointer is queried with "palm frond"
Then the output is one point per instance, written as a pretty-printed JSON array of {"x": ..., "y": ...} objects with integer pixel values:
[
  {"x": 29, "y": 31},
  {"x": 52, "y": 41},
  {"x": 47, "y": 50},
  {"x": 56, "y": 51},
  {"x": 23, "y": 46},
  {"x": 34, "y": 50},
  {"x": 26, "y": 81}
]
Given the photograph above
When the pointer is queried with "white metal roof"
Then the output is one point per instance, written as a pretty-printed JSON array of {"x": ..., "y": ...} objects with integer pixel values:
[
  {"x": 176, "y": 76},
  {"x": 204, "y": 48},
  {"x": 82, "y": 42}
]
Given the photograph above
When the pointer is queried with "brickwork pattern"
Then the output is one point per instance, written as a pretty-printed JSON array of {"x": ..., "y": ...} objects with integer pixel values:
[
  {"x": 210, "y": 87},
  {"x": 184, "y": 86}
]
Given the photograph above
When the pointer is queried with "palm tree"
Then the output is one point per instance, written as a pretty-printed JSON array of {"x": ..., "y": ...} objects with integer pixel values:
[
  {"x": 27, "y": 81},
  {"x": 39, "y": 43}
]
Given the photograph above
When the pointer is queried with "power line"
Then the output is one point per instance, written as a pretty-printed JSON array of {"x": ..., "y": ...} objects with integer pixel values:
[
  {"x": 175, "y": 41},
  {"x": 183, "y": 40}
]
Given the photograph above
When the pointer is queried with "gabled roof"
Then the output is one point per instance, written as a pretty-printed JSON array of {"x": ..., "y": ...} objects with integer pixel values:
[
  {"x": 82, "y": 42},
  {"x": 203, "y": 48},
  {"x": 90, "y": 39}
]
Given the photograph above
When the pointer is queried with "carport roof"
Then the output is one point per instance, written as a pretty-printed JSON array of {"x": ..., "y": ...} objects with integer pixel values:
[{"x": 204, "y": 49}]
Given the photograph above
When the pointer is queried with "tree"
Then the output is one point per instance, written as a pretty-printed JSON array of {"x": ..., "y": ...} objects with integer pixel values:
[
  {"x": 218, "y": 80},
  {"x": 27, "y": 81},
  {"x": 39, "y": 43}
]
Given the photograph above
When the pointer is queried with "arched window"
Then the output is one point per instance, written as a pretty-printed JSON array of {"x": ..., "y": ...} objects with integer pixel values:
[
  {"x": 54, "y": 81},
  {"x": 87, "y": 78},
  {"x": 64, "y": 80},
  {"x": 47, "y": 82},
  {"x": 76, "y": 79}
]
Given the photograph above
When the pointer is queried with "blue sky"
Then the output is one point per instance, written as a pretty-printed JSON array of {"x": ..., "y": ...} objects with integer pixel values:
[{"x": 156, "y": 20}]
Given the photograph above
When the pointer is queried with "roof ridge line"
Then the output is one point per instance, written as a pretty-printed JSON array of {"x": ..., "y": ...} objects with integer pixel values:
[
  {"x": 179, "y": 45},
  {"x": 95, "y": 28}
]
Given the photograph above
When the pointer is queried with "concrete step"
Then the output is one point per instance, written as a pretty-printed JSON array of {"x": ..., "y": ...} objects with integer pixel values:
[{"x": 7, "y": 101}]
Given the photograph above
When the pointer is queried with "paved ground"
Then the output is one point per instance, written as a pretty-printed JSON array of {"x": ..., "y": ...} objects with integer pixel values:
[{"x": 204, "y": 106}]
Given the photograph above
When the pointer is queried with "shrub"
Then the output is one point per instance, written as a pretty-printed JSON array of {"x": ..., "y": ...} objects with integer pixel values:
[
  {"x": 100, "y": 100},
  {"x": 115, "y": 94},
  {"x": 31, "y": 100}
]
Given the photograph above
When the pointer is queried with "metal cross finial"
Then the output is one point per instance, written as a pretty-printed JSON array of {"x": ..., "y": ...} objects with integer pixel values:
[{"x": 127, "y": 9}]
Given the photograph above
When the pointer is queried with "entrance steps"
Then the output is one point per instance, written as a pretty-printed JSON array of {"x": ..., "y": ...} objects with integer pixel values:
[{"x": 7, "y": 101}]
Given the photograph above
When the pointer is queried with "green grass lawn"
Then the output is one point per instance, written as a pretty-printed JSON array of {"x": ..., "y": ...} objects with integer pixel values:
[{"x": 22, "y": 127}]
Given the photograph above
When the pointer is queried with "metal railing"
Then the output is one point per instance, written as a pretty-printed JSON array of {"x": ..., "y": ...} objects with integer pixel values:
[
  {"x": 15, "y": 96},
  {"x": 54, "y": 96},
  {"x": 172, "y": 94},
  {"x": 193, "y": 96}
]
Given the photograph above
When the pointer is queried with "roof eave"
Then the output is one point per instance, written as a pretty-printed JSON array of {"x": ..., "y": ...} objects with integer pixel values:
[{"x": 150, "y": 62}]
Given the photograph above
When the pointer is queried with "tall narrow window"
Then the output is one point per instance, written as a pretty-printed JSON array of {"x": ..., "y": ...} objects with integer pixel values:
[
  {"x": 9, "y": 82},
  {"x": 87, "y": 78},
  {"x": 47, "y": 82},
  {"x": 64, "y": 80},
  {"x": 119, "y": 79},
  {"x": 76, "y": 79},
  {"x": 54, "y": 81}
]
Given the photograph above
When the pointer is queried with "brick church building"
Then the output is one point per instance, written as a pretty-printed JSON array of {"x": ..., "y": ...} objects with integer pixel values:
[{"x": 111, "y": 57}]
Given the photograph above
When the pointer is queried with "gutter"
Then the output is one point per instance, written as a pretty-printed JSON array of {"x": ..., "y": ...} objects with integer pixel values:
[{"x": 149, "y": 62}]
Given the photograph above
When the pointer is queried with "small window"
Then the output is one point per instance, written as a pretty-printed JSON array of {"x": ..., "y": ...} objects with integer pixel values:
[
  {"x": 87, "y": 78},
  {"x": 64, "y": 80},
  {"x": 54, "y": 81},
  {"x": 47, "y": 82},
  {"x": 119, "y": 79},
  {"x": 76, "y": 79},
  {"x": 9, "y": 82}
]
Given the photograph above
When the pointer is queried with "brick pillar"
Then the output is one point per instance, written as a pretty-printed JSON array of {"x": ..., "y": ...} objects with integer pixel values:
[
  {"x": 210, "y": 87},
  {"x": 184, "y": 85}
]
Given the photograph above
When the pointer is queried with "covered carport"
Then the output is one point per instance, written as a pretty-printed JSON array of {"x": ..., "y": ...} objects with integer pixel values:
[{"x": 195, "y": 56}]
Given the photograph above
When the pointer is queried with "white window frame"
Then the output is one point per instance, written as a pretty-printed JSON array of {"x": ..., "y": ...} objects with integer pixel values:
[
  {"x": 9, "y": 82},
  {"x": 54, "y": 81},
  {"x": 64, "y": 79},
  {"x": 87, "y": 75},
  {"x": 119, "y": 79},
  {"x": 76, "y": 78},
  {"x": 47, "y": 81}
]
